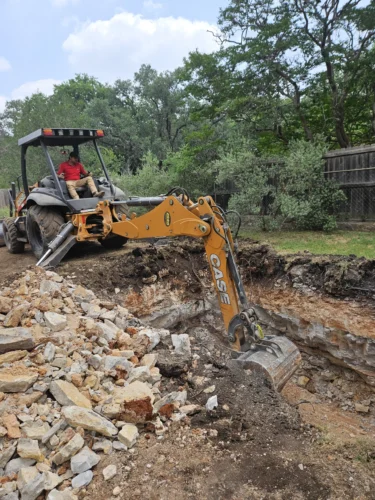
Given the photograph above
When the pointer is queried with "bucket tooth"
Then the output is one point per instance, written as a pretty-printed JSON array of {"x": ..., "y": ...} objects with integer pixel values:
[{"x": 276, "y": 368}]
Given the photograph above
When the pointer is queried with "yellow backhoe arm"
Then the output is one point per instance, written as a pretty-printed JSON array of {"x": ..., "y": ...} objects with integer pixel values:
[
  {"x": 174, "y": 217},
  {"x": 275, "y": 357}
]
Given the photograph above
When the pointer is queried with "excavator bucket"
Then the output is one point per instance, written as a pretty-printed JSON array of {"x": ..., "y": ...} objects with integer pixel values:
[{"x": 277, "y": 359}]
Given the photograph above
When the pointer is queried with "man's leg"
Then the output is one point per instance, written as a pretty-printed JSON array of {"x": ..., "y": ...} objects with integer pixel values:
[
  {"x": 91, "y": 184},
  {"x": 71, "y": 185}
]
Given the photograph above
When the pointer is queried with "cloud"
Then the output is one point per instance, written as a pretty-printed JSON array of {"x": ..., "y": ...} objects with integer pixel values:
[
  {"x": 63, "y": 3},
  {"x": 29, "y": 88},
  {"x": 3, "y": 101},
  {"x": 150, "y": 5},
  {"x": 117, "y": 47},
  {"x": 4, "y": 64}
]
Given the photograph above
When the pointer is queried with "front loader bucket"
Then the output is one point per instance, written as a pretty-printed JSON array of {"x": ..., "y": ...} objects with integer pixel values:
[
  {"x": 2, "y": 241},
  {"x": 279, "y": 367}
]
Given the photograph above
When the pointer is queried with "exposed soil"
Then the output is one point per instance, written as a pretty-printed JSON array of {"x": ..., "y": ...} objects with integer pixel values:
[{"x": 308, "y": 443}]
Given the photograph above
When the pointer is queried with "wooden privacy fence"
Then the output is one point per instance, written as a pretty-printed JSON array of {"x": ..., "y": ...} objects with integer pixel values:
[{"x": 354, "y": 170}]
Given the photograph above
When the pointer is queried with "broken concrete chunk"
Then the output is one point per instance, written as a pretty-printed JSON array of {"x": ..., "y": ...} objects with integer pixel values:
[
  {"x": 15, "y": 339},
  {"x": 109, "y": 472},
  {"x": 69, "y": 450},
  {"x": 84, "y": 460},
  {"x": 15, "y": 465},
  {"x": 56, "y": 322},
  {"x": 87, "y": 419},
  {"x": 82, "y": 479},
  {"x": 67, "y": 394},
  {"x": 128, "y": 435},
  {"x": 181, "y": 344},
  {"x": 29, "y": 448}
]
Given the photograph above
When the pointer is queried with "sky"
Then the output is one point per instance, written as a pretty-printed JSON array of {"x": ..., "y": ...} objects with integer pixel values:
[{"x": 45, "y": 42}]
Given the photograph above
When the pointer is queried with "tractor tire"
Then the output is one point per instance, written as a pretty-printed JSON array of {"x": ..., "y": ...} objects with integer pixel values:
[
  {"x": 42, "y": 226},
  {"x": 123, "y": 210},
  {"x": 11, "y": 236}
]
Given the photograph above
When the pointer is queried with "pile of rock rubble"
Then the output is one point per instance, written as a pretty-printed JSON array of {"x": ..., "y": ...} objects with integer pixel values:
[{"x": 78, "y": 379}]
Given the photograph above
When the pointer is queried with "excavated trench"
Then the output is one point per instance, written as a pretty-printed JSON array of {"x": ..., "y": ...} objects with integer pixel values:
[{"x": 325, "y": 304}]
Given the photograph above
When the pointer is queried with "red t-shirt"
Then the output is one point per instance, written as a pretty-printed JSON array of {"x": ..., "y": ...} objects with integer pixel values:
[{"x": 72, "y": 172}]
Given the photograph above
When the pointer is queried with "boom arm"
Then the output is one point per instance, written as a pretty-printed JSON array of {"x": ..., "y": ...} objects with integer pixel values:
[{"x": 181, "y": 217}]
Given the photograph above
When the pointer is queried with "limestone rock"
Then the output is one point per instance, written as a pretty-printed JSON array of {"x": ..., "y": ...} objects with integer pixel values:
[
  {"x": 89, "y": 420},
  {"x": 15, "y": 465},
  {"x": 10, "y": 357},
  {"x": 84, "y": 460},
  {"x": 33, "y": 489},
  {"x": 82, "y": 294},
  {"x": 14, "y": 316},
  {"x": 128, "y": 435},
  {"x": 49, "y": 352},
  {"x": 110, "y": 362},
  {"x": 15, "y": 339},
  {"x": 137, "y": 399},
  {"x": 50, "y": 287},
  {"x": 149, "y": 360},
  {"x": 12, "y": 426},
  {"x": 67, "y": 394},
  {"x": 6, "y": 455},
  {"x": 181, "y": 344},
  {"x": 82, "y": 479},
  {"x": 190, "y": 409},
  {"x": 25, "y": 476},
  {"x": 103, "y": 445},
  {"x": 56, "y": 322},
  {"x": 140, "y": 373},
  {"x": 5, "y": 305},
  {"x": 69, "y": 450},
  {"x": 61, "y": 495},
  {"x": 51, "y": 480},
  {"x": 35, "y": 430},
  {"x": 29, "y": 448},
  {"x": 109, "y": 472},
  {"x": 17, "y": 383}
]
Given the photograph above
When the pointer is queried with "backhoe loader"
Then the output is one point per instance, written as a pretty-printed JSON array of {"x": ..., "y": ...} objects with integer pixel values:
[{"x": 173, "y": 215}]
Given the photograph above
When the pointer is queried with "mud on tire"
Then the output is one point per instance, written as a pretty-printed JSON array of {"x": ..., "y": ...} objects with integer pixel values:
[
  {"x": 11, "y": 236},
  {"x": 42, "y": 226}
]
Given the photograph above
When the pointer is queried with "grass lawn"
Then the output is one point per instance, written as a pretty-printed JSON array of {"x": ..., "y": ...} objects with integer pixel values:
[
  {"x": 4, "y": 212},
  {"x": 361, "y": 244}
]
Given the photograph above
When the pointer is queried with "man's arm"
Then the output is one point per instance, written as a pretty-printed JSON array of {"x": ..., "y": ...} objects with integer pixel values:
[
  {"x": 61, "y": 171},
  {"x": 82, "y": 170}
]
